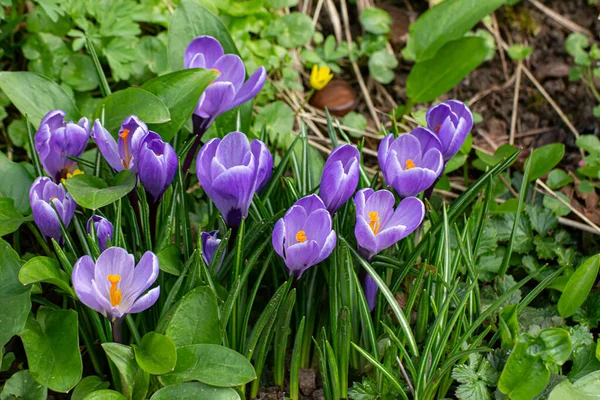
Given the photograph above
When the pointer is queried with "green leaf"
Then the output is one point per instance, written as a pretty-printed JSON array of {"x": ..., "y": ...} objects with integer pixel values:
[
  {"x": 16, "y": 183},
  {"x": 277, "y": 118},
  {"x": 14, "y": 297},
  {"x": 88, "y": 385},
  {"x": 92, "y": 192},
  {"x": 519, "y": 51},
  {"x": 22, "y": 386},
  {"x": 10, "y": 219},
  {"x": 45, "y": 269},
  {"x": 157, "y": 354},
  {"x": 556, "y": 206},
  {"x": 154, "y": 52},
  {"x": 134, "y": 380},
  {"x": 578, "y": 287},
  {"x": 297, "y": 30},
  {"x": 105, "y": 395},
  {"x": 132, "y": 101},
  {"x": 376, "y": 21},
  {"x": 51, "y": 342},
  {"x": 189, "y": 21},
  {"x": 195, "y": 391},
  {"x": 180, "y": 92},
  {"x": 445, "y": 22},
  {"x": 79, "y": 73},
  {"x": 211, "y": 364},
  {"x": 575, "y": 45},
  {"x": 435, "y": 76},
  {"x": 196, "y": 319},
  {"x": 545, "y": 158},
  {"x": 502, "y": 152},
  {"x": 586, "y": 388},
  {"x": 35, "y": 95},
  {"x": 509, "y": 326},
  {"x": 169, "y": 259},
  {"x": 356, "y": 121},
  {"x": 589, "y": 143},
  {"x": 277, "y": 4},
  {"x": 381, "y": 65},
  {"x": 558, "y": 178}
]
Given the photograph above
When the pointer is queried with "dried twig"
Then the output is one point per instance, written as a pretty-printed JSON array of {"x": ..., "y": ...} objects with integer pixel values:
[
  {"x": 567, "y": 23},
  {"x": 515, "y": 111}
]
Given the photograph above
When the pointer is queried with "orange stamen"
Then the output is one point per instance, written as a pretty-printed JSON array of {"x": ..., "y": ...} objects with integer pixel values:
[
  {"x": 438, "y": 128},
  {"x": 375, "y": 224},
  {"x": 124, "y": 134},
  {"x": 115, "y": 294},
  {"x": 409, "y": 164},
  {"x": 301, "y": 236}
]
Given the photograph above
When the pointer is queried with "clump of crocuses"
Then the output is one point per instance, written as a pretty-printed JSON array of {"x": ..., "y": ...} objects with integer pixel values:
[
  {"x": 412, "y": 162},
  {"x": 231, "y": 170},
  {"x": 451, "y": 121},
  {"x": 380, "y": 226},
  {"x": 56, "y": 140},
  {"x": 103, "y": 228},
  {"x": 113, "y": 285},
  {"x": 49, "y": 202},
  {"x": 303, "y": 237},
  {"x": 227, "y": 91},
  {"x": 210, "y": 243},
  {"x": 340, "y": 177}
]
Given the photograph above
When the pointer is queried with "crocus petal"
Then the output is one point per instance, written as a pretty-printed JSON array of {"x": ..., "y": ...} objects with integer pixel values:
[
  {"x": 410, "y": 213},
  {"x": 145, "y": 302},
  {"x": 434, "y": 161},
  {"x": 217, "y": 99},
  {"x": 413, "y": 181},
  {"x": 232, "y": 70},
  {"x": 365, "y": 238},
  {"x": 54, "y": 119},
  {"x": 233, "y": 150},
  {"x": 406, "y": 147},
  {"x": 389, "y": 236},
  {"x": 301, "y": 256},
  {"x": 340, "y": 176},
  {"x": 113, "y": 261},
  {"x": 327, "y": 247},
  {"x": 318, "y": 226},
  {"x": 294, "y": 219},
  {"x": 360, "y": 200},
  {"x": 371, "y": 289},
  {"x": 310, "y": 203},
  {"x": 107, "y": 146},
  {"x": 233, "y": 191},
  {"x": 264, "y": 164},
  {"x": 46, "y": 219},
  {"x": 436, "y": 115},
  {"x": 457, "y": 140},
  {"x": 209, "y": 47},
  {"x": 427, "y": 139},
  {"x": 462, "y": 112},
  {"x": 144, "y": 274},
  {"x": 83, "y": 274},
  {"x": 381, "y": 202},
  {"x": 384, "y": 149},
  {"x": 152, "y": 172},
  {"x": 251, "y": 87},
  {"x": 203, "y": 161},
  {"x": 278, "y": 237}
]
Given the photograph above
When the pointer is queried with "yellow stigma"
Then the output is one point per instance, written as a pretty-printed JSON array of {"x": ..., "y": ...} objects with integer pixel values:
[
  {"x": 409, "y": 164},
  {"x": 375, "y": 224},
  {"x": 115, "y": 294},
  {"x": 320, "y": 76},
  {"x": 301, "y": 236},
  {"x": 70, "y": 175},
  {"x": 52, "y": 198},
  {"x": 214, "y": 70},
  {"x": 124, "y": 134}
]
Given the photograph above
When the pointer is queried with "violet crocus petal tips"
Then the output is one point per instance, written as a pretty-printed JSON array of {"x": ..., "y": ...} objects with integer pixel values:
[
  {"x": 379, "y": 225},
  {"x": 230, "y": 171},
  {"x": 49, "y": 202},
  {"x": 228, "y": 90},
  {"x": 407, "y": 166},
  {"x": 157, "y": 166},
  {"x": 340, "y": 177},
  {"x": 303, "y": 237},
  {"x": 451, "y": 121},
  {"x": 56, "y": 140},
  {"x": 103, "y": 228},
  {"x": 113, "y": 286}
]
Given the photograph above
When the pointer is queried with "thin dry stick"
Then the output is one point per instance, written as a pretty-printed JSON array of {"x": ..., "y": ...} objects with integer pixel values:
[
  {"x": 359, "y": 78},
  {"x": 496, "y": 33},
  {"x": 495, "y": 88},
  {"x": 515, "y": 111},
  {"x": 317, "y": 12},
  {"x": 335, "y": 21},
  {"x": 567, "y": 23}
]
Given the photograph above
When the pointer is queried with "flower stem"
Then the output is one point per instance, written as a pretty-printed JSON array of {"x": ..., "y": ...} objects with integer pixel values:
[
  {"x": 306, "y": 99},
  {"x": 116, "y": 329}
]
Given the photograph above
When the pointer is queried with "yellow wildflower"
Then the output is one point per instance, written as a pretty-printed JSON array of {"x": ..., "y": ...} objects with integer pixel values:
[
  {"x": 69, "y": 175},
  {"x": 320, "y": 76}
]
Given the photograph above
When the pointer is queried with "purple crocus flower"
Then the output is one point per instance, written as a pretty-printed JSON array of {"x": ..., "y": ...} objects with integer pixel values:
[
  {"x": 113, "y": 286},
  {"x": 451, "y": 121},
  {"x": 157, "y": 165},
  {"x": 103, "y": 228},
  {"x": 379, "y": 226},
  {"x": 228, "y": 90},
  {"x": 124, "y": 154},
  {"x": 57, "y": 139},
  {"x": 43, "y": 192},
  {"x": 231, "y": 170},
  {"x": 410, "y": 163},
  {"x": 340, "y": 176},
  {"x": 210, "y": 243},
  {"x": 303, "y": 237}
]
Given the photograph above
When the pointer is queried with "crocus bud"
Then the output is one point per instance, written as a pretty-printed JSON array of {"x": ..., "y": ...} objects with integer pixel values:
[
  {"x": 370, "y": 288},
  {"x": 124, "y": 154},
  {"x": 451, "y": 121},
  {"x": 103, "y": 228},
  {"x": 56, "y": 139},
  {"x": 228, "y": 90},
  {"x": 340, "y": 177},
  {"x": 378, "y": 225},
  {"x": 407, "y": 165},
  {"x": 303, "y": 237},
  {"x": 231, "y": 171},
  {"x": 42, "y": 195},
  {"x": 210, "y": 243},
  {"x": 157, "y": 165},
  {"x": 114, "y": 286}
]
